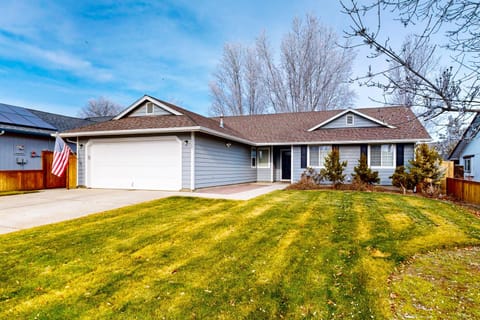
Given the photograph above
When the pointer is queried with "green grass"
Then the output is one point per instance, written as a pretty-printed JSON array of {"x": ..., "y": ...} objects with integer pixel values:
[{"x": 289, "y": 254}]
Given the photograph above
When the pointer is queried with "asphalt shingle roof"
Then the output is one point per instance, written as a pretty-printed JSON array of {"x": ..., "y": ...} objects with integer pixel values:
[
  {"x": 61, "y": 122},
  {"x": 281, "y": 127}
]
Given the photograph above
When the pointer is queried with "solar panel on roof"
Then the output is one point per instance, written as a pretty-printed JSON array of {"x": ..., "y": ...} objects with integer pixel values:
[{"x": 20, "y": 116}]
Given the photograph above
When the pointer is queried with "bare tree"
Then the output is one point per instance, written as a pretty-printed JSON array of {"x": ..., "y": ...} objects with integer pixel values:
[
  {"x": 402, "y": 84},
  {"x": 457, "y": 88},
  {"x": 99, "y": 108},
  {"x": 238, "y": 88},
  {"x": 315, "y": 69},
  {"x": 450, "y": 131},
  {"x": 312, "y": 74}
]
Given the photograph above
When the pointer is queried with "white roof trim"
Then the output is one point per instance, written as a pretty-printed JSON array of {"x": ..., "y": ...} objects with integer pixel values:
[
  {"x": 142, "y": 100},
  {"x": 261, "y": 144},
  {"x": 358, "y": 113},
  {"x": 227, "y": 136},
  {"x": 126, "y": 132},
  {"x": 155, "y": 130}
]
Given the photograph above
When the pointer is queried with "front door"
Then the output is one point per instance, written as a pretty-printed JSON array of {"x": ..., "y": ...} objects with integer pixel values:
[{"x": 286, "y": 157}]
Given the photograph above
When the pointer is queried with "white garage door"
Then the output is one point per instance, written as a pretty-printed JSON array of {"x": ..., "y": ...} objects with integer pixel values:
[{"x": 136, "y": 163}]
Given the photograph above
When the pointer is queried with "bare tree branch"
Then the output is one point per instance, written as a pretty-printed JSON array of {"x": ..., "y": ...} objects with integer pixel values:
[
  {"x": 456, "y": 88},
  {"x": 312, "y": 73},
  {"x": 100, "y": 107}
]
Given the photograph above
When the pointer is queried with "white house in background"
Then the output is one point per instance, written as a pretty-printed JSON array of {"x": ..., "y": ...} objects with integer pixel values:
[{"x": 467, "y": 151}]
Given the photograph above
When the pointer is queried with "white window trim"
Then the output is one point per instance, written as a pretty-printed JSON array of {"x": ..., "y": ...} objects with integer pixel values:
[
  {"x": 253, "y": 166},
  {"x": 308, "y": 154},
  {"x": 353, "y": 120},
  {"x": 394, "y": 147},
  {"x": 146, "y": 108},
  {"x": 262, "y": 166},
  {"x": 469, "y": 159}
]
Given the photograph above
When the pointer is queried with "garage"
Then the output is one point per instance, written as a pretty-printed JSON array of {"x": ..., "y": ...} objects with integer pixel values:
[{"x": 135, "y": 163}]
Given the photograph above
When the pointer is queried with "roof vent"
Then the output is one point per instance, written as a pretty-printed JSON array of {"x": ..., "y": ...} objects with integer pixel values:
[{"x": 221, "y": 121}]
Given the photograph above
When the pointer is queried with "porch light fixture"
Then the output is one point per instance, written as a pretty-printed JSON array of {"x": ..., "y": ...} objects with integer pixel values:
[
  {"x": 228, "y": 144},
  {"x": 185, "y": 142}
]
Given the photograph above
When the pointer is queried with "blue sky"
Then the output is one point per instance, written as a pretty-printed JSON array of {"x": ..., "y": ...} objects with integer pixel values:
[{"x": 56, "y": 55}]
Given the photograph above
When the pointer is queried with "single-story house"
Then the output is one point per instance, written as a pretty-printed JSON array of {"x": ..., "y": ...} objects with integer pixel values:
[
  {"x": 467, "y": 151},
  {"x": 25, "y": 133},
  {"x": 154, "y": 144}
]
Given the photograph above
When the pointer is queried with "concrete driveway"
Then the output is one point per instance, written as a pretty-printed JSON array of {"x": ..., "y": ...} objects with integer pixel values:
[{"x": 49, "y": 206}]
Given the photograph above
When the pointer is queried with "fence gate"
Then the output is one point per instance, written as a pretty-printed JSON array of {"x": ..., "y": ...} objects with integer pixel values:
[{"x": 49, "y": 180}]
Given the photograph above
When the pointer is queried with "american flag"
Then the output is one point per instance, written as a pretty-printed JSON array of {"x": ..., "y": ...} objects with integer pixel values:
[{"x": 60, "y": 157}]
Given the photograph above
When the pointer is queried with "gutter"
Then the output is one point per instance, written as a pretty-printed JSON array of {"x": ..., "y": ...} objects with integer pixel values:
[
  {"x": 41, "y": 134},
  {"x": 227, "y": 136},
  {"x": 263, "y": 144},
  {"x": 153, "y": 131}
]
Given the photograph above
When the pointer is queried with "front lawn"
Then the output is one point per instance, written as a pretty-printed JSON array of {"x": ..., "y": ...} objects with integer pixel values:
[{"x": 289, "y": 254}]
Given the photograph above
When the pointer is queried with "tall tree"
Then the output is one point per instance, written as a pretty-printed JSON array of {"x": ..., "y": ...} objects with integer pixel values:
[
  {"x": 314, "y": 68},
  {"x": 99, "y": 108},
  {"x": 312, "y": 73},
  {"x": 402, "y": 84},
  {"x": 457, "y": 22},
  {"x": 238, "y": 87}
]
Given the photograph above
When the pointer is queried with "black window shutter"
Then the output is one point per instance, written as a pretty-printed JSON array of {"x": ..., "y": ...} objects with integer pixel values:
[
  {"x": 364, "y": 149},
  {"x": 303, "y": 157},
  {"x": 400, "y": 154}
]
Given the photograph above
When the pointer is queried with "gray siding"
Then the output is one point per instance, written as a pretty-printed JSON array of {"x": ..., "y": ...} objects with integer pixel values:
[
  {"x": 408, "y": 153},
  {"x": 186, "y": 158},
  {"x": 9, "y": 152},
  {"x": 265, "y": 174},
  {"x": 141, "y": 111},
  {"x": 384, "y": 175},
  {"x": 216, "y": 165},
  {"x": 81, "y": 162},
  {"x": 351, "y": 154},
  {"x": 358, "y": 122},
  {"x": 297, "y": 170}
]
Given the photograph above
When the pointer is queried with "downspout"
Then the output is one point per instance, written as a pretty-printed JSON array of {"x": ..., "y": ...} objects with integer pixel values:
[{"x": 192, "y": 161}]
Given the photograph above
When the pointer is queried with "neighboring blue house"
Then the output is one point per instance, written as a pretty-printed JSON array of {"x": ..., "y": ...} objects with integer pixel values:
[
  {"x": 25, "y": 133},
  {"x": 467, "y": 151},
  {"x": 156, "y": 145}
]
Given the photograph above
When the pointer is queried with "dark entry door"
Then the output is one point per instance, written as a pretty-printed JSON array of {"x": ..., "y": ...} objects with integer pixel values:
[{"x": 286, "y": 164}]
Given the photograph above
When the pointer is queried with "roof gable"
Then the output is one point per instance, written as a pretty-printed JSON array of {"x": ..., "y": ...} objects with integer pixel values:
[
  {"x": 138, "y": 108},
  {"x": 336, "y": 121},
  {"x": 469, "y": 134},
  {"x": 268, "y": 129}
]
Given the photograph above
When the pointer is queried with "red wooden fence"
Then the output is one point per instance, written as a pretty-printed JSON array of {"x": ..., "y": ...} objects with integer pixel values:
[
  {"x": 39, "y": 179},
  {"x": 464, "y": 190}
]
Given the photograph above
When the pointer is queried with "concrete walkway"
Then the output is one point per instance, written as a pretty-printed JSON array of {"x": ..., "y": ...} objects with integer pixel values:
[{"x": 49, "y": 206}]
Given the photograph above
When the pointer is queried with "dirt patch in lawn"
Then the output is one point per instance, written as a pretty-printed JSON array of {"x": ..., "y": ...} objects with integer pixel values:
[{"x": 436, "y": 284}]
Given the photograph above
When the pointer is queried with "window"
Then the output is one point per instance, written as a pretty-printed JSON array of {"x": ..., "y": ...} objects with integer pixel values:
[
  {"x": 382, "y": 155},
  {"x": 253, "y": 157},
  {"x": 467, "y": 168},
  {"x": 317, "y": 155},
  {"x": 263, "y": 156},
  {"x": 349, "y": 119},
  {"x": 150, "y": 108}
]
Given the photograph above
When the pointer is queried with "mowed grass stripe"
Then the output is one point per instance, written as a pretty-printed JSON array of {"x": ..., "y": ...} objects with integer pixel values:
[{"x": 289, "y": 254}]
